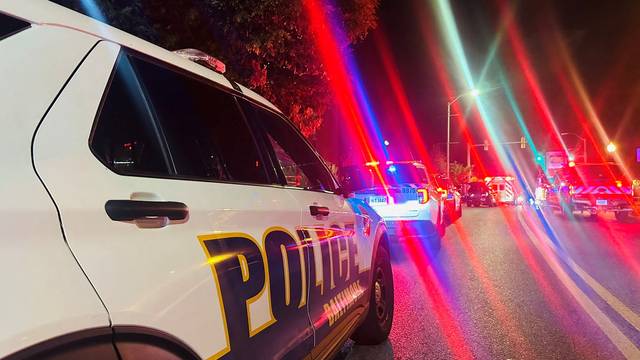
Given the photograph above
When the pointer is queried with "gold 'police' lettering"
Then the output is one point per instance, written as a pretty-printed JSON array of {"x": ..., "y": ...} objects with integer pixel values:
[{"x": 262, "y": 288}]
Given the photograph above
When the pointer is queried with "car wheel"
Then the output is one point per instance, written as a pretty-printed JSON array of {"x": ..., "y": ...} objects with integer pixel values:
[{"x": 377, "y": 323}]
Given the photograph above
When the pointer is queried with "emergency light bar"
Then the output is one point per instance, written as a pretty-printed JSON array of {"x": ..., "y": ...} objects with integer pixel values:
[{"x": 202, "y": 58}]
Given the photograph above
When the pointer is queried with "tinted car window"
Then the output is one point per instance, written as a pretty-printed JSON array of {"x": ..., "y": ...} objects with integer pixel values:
[
  {"x": 126, "y": 137},
  {"x": 160, "y": 122},
  {"x": 356, "y": 178},
  {"x": 10, "y": 26},
  {"x": 297, "y": 161},
  {"x": 405, "y": 174}
]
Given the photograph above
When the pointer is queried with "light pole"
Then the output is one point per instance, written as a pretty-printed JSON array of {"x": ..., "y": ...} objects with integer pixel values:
[
  {"x": 584, "y": 143},
  {"x": 474, "y": 93}
]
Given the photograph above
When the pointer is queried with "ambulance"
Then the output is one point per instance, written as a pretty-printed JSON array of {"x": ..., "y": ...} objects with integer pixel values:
[{"x": 505, "y": 189}]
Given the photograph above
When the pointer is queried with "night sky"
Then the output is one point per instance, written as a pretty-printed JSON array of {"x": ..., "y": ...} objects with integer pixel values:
[{"x": 603, "y": 38}]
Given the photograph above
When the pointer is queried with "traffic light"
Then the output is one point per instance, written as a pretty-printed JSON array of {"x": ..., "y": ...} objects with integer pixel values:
[
  {"x": 523, "y": 143},
  {"x": 540, "y": 159}
]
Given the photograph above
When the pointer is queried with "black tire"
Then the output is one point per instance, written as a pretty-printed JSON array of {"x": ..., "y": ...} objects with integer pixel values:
[{"x": 377, "y": 323}]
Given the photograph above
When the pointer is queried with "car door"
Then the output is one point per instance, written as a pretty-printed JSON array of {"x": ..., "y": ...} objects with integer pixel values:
[
  {"x": 168, "y": 206},
  {"x": 339, "y": 252}
]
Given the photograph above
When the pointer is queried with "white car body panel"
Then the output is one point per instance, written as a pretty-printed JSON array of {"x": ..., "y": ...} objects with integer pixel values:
[
  {"x": 170, "y": 288},
  {"x": 44, "y": 292}
]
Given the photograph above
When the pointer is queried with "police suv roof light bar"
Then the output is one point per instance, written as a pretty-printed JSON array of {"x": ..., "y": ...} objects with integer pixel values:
[{"x": 202, "y": 58}]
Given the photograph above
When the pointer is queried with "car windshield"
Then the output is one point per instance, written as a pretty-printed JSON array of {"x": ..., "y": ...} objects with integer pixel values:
[{"x": 404, "y": 173}]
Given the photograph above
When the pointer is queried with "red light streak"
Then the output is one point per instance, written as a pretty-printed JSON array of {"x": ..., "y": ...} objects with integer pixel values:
[
  {"x": 522, "y": 59},
  {"x": 327, "y": 42},
  {"x": 432, "y": 285},
  {"x": 501, "y": 311},
  {"x": 401, "y": 99}
]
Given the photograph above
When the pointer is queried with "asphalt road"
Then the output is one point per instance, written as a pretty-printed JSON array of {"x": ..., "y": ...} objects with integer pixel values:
[{"x": 509, "y": 283}]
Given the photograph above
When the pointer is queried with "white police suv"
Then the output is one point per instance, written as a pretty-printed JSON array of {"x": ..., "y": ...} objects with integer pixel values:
[
  {"x": 403, "y": 195},
  {"x": 153, "y": 209}
]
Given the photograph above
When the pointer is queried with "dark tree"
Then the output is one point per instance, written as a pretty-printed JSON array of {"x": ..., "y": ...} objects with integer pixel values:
[{"x": 266, "y": 44}]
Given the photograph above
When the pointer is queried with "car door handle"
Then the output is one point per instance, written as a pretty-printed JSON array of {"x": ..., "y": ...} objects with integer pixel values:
[
  {"x": 319, "y": 210},
  {"x": 130, "y": 210}
]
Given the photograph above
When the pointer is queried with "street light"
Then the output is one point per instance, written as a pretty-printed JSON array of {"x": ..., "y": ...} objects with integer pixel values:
[
  {"x": 611, "y": 147},
  {"x": 386, "y": 143},
  {"x": 584, "y": 143},
  {"x": 475, "y": 93}
]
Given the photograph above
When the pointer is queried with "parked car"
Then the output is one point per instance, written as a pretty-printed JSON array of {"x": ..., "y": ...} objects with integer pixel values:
[
  {"x": 479, "y": 194},
  {"x": 452, "y": 198},
  {"x": 152, "y": 208}
]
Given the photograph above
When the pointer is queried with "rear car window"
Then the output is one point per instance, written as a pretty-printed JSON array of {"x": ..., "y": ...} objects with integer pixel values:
[
  {"x": 156, "y": 121},
  {"x": 10, "y": 26}
]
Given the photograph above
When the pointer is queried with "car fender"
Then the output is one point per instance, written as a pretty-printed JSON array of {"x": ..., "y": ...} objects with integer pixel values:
[{"x": 377, "y": 234}]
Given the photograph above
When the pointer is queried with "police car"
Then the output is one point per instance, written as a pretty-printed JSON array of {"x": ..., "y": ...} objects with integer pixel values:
[
  {"x": 402, "y": 194},
  {"x": 146, "y": 212}
]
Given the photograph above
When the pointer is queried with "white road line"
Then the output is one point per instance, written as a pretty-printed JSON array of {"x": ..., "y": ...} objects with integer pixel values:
[
  {"x": 624, "y": 311},
  {"x": 623, "y": 343},
  {"x": 629, "y": 315}
]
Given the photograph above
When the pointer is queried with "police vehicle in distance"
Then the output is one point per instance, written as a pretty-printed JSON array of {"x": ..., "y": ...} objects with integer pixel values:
[
  {"x": 147, "y": 210},
  {"x": 401, "y": 193}
]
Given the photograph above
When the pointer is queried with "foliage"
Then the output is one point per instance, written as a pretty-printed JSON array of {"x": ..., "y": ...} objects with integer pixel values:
[
  {"x": 459, "y": 173},
  {"x": 266, "y": 45}
]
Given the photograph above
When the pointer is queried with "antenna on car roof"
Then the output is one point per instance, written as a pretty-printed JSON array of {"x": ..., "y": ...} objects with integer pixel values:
[{"x": 202, "y": 58}]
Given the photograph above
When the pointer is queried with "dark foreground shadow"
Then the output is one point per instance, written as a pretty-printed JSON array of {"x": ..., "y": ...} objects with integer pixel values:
[
  {"x": 400, "y": 247},
  {"x": 351, "y": 351}
]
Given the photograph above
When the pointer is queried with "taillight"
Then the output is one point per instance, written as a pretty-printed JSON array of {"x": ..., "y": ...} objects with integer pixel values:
[
  {"x": 366, "y": 225},
  {"x": 423, "y": 196}
]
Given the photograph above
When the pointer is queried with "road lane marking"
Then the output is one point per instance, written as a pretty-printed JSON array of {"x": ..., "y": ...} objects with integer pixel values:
[
  {"x": 623, "y": 310},
  {"x": 621, "y": 341}
]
